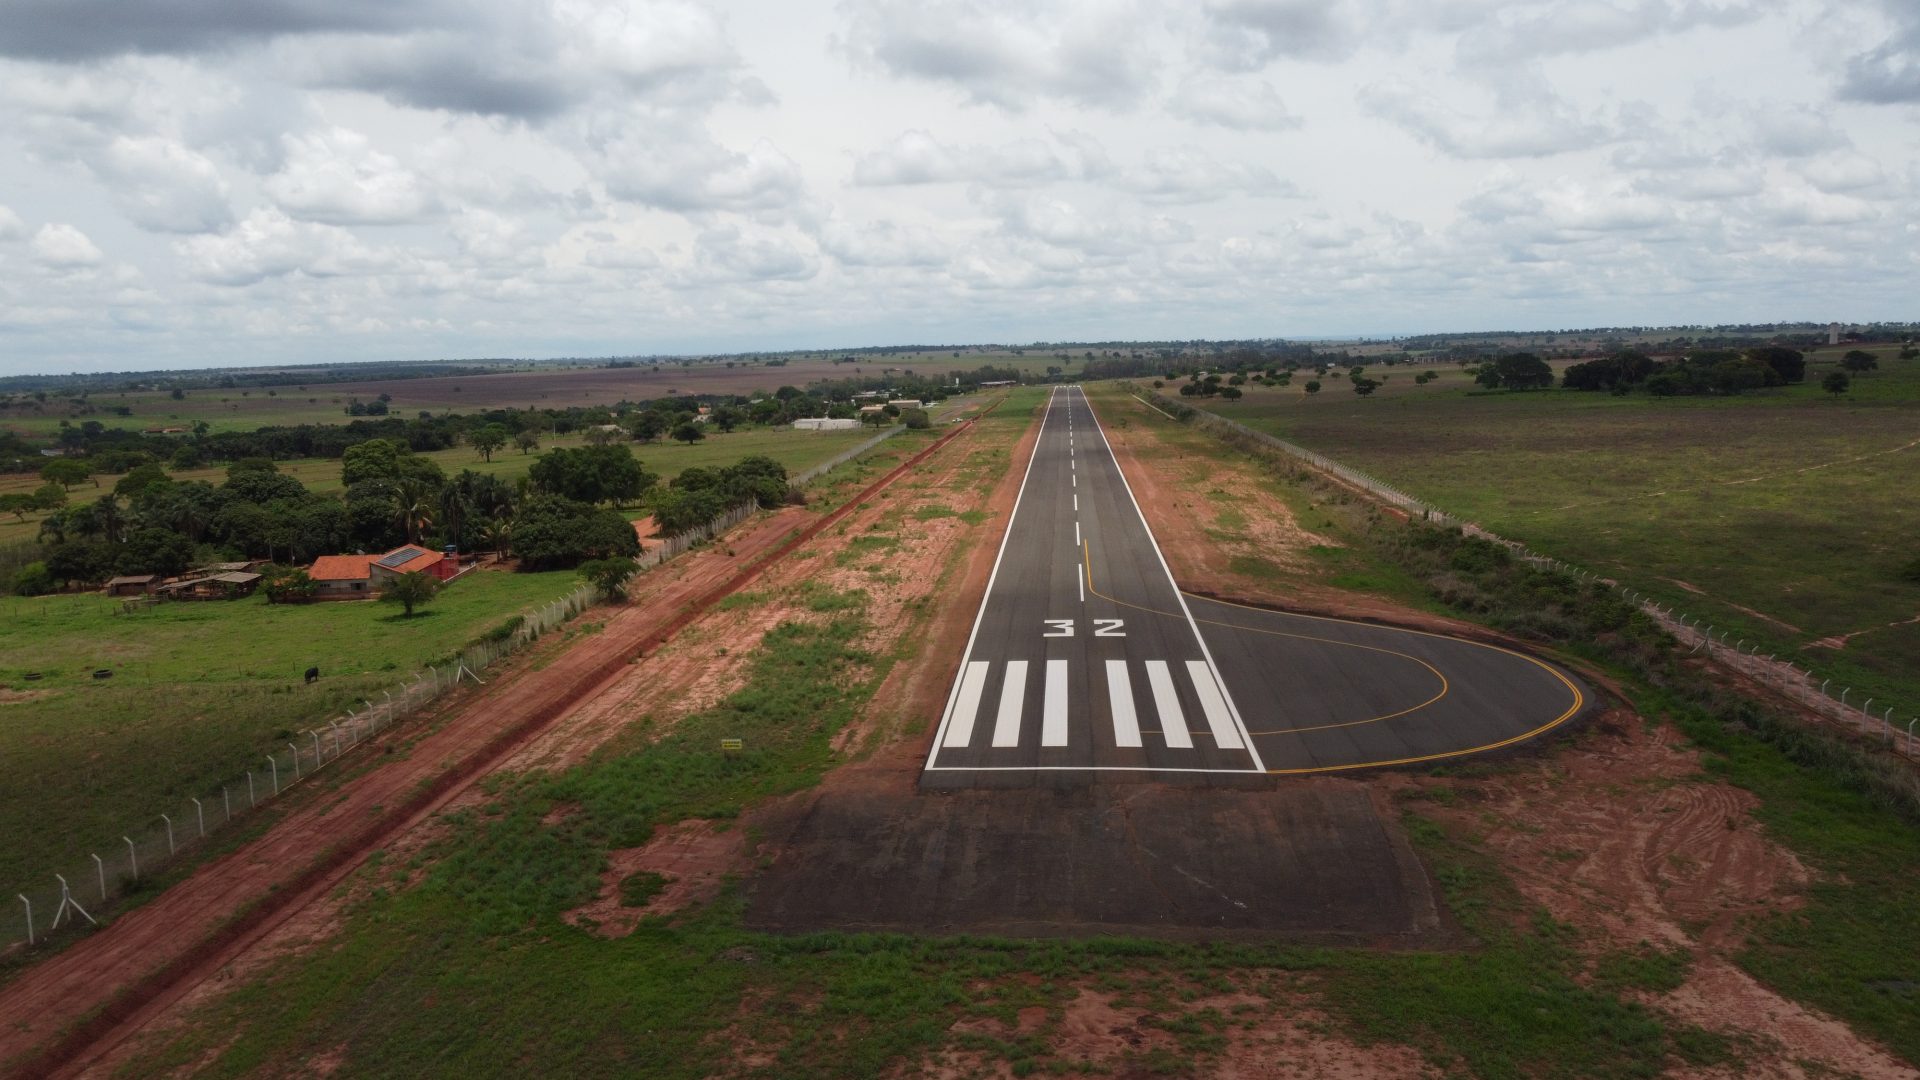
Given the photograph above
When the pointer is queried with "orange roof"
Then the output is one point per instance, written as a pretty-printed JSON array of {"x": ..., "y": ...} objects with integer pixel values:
[
  {"x": 341, "y": 567},
  {"x": 421, "y": 561}
]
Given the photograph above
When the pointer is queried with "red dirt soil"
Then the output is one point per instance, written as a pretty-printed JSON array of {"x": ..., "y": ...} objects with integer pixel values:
[
  {"x": 672, "y": 682},
  {"x": 84, "y": 999}
]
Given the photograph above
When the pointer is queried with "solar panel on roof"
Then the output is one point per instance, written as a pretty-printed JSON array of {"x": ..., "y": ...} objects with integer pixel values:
[{"x": 402, "y": 556}]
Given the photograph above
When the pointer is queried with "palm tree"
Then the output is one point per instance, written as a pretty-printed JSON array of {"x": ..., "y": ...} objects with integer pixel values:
[
  {"x": 413, "y": 508},
  {"x": 112, "y": 520}
]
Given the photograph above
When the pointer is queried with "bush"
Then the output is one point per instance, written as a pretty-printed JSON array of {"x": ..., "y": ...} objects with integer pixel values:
[{"x": 33, "y": 580}]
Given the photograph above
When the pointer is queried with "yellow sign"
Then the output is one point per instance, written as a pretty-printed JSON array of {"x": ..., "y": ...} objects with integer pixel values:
[{"x": 729, "y": 744}]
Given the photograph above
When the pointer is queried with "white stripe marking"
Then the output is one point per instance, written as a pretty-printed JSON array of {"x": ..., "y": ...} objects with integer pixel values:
[
  {"x": 1214, "y": 706},
  {"x": 1076, "y": 481},
  {"x": 1076, "y": 533},
  {"x": 1053, "y": 719},
  {"x": 1013, "y": 695},
  {"x": 1226, "y": 694},
  {"x": 1126, "y": 725},
  {"x": 972, "y": 681},
  {"x": 953, "y": 696},
  {"x": 1076, "y": 503},
  {"x": 1173, "y": 722}
]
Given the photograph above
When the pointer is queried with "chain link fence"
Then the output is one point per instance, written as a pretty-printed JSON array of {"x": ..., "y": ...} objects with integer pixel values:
[{"x": 1822, "y": 696}]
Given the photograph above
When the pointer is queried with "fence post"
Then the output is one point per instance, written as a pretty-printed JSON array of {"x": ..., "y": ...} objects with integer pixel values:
[
  {"x": 226, "y": 802},
  {"x": 133, "y": 857},
  {"x": 296, "y": 760},
  {"x": 201, "y": 815},
  {"x": 100, "y": 868},
  {"x": 275, "y": 766},
  {"x": 29, "y": 903},
  {"x": 169, "y": 822}
]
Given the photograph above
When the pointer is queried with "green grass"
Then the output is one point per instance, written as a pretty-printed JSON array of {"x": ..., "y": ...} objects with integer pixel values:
[
  {"x": 1641, "y": 489},
  {"x": 1849, "y": 814},
  {"x": 199, "y": 691},
  {"x": 460, "y": 962}
]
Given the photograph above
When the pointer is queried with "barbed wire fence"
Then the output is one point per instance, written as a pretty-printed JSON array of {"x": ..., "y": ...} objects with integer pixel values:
[
  {"x": 1820, "y": 695},
  {"x": 80, "y": 896}
]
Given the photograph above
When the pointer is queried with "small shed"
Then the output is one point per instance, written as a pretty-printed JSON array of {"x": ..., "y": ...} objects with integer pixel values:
[
  {"x": 230, "y": 585},
  {"x": 131, "y": 584}
]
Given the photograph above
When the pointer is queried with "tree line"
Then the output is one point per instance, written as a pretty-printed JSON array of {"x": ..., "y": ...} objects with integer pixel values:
[{"x": 564, "y": 513}]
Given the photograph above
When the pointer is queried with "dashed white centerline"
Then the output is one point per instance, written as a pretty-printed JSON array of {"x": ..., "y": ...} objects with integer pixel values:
[
  {"x": 1076, "y": 503},
  {"x": 1076, "y": 534}
]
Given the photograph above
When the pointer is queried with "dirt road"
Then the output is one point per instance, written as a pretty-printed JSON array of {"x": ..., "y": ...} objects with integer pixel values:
[{"x": 85, "y": 998}]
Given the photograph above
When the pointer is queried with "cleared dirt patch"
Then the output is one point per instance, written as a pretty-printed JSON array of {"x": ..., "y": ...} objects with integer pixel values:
[
  {"x": 693, "y": 857},
  {"x": 1622, "y": 836}
]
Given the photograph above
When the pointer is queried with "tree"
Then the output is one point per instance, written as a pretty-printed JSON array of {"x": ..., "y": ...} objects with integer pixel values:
[
  {"x": 287, "y": 585},
  {"x": 728, "y": 417},
  {"x": 154, "y": 551},
  {"x": 413, "y": 509},
  {"x": 592, "y": 474},
  {"x": 528, "y": 441},
  {"x": 649, "y": 426},
  {"x": 1858, "y": 362},
  {"x": 1789, "y": 364},
  {"x": 553, "y": 532},
  {"x": 488, "y": 439},
  {"x": 1365, "y": 386},
  {"x": 1515, "y": 371},
  {"x": 1312, "y": 387},
  {"x": 609, "y": 576},
  {"x": 916, "y": 419},
  {"x": 688, "y": 432},
  {"x": 1836, "y": 383},
  {"x": 18, "y": 504},
  {"x": 877, "y": 418},
  {"x": 410, "y": 590},
  {"x": 49, "y": 497},
  {"x": 140, "y": 479},
  {"x": 69, "y": 473}
]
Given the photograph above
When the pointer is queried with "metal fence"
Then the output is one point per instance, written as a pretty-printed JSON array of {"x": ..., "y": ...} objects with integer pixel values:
[
  {"x": 1805, "y": 685},
  {"x": 78, "y": 896}
]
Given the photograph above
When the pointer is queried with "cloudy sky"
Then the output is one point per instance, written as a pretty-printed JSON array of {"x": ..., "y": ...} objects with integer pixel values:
[{"x": 190, "y": 182}]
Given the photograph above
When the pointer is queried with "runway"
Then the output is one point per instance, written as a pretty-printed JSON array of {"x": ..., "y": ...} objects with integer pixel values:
[{"x": 1087, "y": 663}]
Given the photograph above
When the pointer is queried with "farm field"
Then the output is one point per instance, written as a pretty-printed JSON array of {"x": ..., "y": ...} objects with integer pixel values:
[
  {"x": 198, "y": 690},
  {"x": 547, "y": 386},
  {"x": 1783, "y": 517},
  {"x": 797, "y": 450}
]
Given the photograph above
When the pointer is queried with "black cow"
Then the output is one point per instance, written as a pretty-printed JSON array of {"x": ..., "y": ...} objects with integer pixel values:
[{"x": 312, "y": 674}]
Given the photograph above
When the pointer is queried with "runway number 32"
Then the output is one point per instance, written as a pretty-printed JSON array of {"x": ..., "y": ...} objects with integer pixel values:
[{"x": 1101, "y": 628}]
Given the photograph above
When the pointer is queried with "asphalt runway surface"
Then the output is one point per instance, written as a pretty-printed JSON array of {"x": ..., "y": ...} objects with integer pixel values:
[{"x": 1086, "y": 662}]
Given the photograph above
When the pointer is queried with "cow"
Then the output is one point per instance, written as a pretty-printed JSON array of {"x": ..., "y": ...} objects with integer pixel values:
[{"x": 312, "y": 674}]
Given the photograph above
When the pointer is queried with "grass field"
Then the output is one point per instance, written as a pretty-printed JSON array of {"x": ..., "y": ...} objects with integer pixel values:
[
  {"x": 546, "y": 387},
  {"x": 797, "y": 450},
  {"x": 1782, "y": 517},
  {"x": 198, "y": 691}
]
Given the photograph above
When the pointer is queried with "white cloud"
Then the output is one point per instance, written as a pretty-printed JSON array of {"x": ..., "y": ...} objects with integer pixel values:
[
  {"x": 687, "y": 171},
  {"x": 882, "y": 243},
  {"x": 1520, "y": 125},
  {"x": 1240, "y": 103},
  {"x": 1010, "y": 52},
  {"x": 916, "y": 157},
  {"x": 164, "y": 186},
  {"x": 338, "y": 178},
  {"x": 269, "y": 244},
  {"x": 590, "y": 176},
  {"x": 64, "y": 247}
]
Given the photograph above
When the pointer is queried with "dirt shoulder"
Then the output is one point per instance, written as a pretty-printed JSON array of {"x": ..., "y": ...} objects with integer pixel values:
[
  {"x": 124, "y": 975},
  {"x": 673, "y": 679}
]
